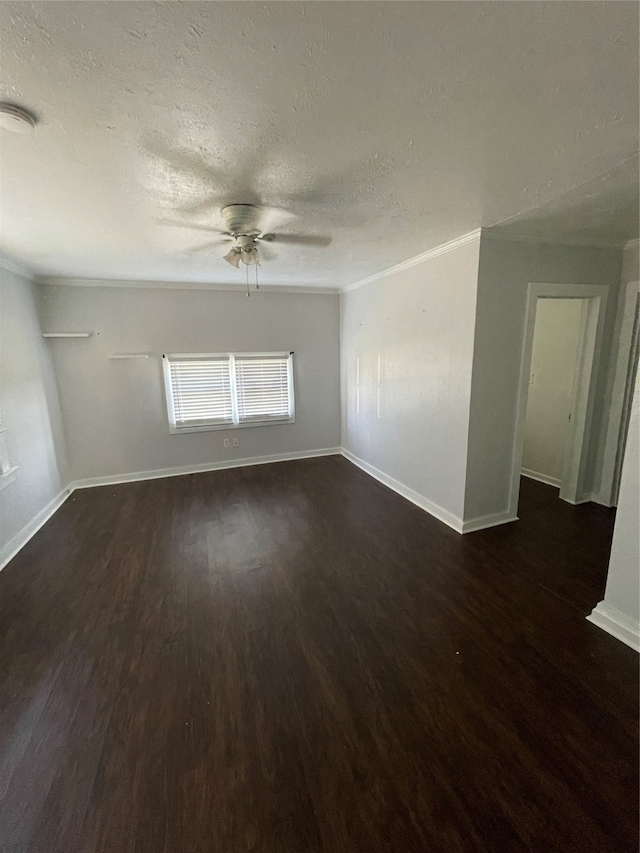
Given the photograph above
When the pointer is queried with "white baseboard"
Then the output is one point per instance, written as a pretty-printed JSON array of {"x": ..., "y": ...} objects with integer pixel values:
[
  {"x": 114, "y": 479},
  {"x": 599, "y": 498},
  {"x": 541, "y": 478},
  {"x": 416, "y": 498},
  {"x": 484, "y": 521},
  {"x": 424, "y": 503},
  {"x": 617, "y": 624},
  {"x": 23, "y": 536},
  {"x": 552, "y": 481},
  {"x": 20, "y": 539},
  {"x": 585, "y": 499}
]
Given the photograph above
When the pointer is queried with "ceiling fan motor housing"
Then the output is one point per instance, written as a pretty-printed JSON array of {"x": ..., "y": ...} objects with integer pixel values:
[{"x": 240, "y": 219}]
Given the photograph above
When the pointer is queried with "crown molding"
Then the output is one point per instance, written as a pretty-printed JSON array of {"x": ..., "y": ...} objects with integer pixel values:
[
  {"x": 530, "y": 239},
  {"x": 442, "y": 249},
  {"x": 180, "y": 285},
  {"x": 11, "y": 266}
]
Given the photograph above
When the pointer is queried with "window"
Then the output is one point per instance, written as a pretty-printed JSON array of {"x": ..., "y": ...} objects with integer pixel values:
[{"x": 227, "y": 390}]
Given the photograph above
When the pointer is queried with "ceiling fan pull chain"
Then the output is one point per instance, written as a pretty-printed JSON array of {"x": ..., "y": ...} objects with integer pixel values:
[
  {"x": 257, "y": 284},
  {"x": 247, "y": 269}
]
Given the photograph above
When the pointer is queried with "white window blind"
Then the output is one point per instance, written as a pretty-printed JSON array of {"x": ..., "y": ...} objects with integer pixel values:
[
  {"x": 222, "y": 391},
  {"x": 200, "y": 390},
  {"x": 263, "y": 387}
]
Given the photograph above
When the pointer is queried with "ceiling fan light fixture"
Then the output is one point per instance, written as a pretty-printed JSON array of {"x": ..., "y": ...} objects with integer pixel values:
[
  {"x": 233, "y": 257},
  {"x": 250, "y": 257}
]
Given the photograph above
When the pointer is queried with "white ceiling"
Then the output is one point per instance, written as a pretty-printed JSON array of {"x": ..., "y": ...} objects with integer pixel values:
[{"x": 390, "y": 126}]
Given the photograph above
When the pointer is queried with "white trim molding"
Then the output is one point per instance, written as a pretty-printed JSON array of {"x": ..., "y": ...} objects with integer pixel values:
[
  {"x": 12, "y": 266},
  {"x": 160, "y": 473},
  {"x": 482, "y": 522},
  {"x": 31, "y": 528},
  {"x": 427, "y": 505},
  {"x": 183, "y": 285},
  {"x": 541, "y": 478},
  {"x": 494, "y": 233},
  {"x": 617, "y": 624},
  {"x": 585, "y": 499},
  {"x": 416, "y": 498},
  {"x": 442, "y": 249}
]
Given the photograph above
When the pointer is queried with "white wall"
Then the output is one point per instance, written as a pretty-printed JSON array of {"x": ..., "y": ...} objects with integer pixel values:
[
  {"x": 506, "y": 269},
  {"x": 29, "y": 409},
  {"x": 114, "y": 411},
  {"x": 549, "y": 404},
  {"x": 419, "y": 323},
  {"x": 619, "y": 613}
]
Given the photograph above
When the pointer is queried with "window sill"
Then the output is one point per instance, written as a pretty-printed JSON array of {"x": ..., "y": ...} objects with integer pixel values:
[
  {"x": 8, "y": 477},
  {"x": 179, "y": 430}
]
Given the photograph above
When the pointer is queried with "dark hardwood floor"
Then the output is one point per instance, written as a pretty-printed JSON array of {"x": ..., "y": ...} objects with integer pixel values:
[
  {"x": 563, "y": 547},
  {"x": 293, "y": 658}
]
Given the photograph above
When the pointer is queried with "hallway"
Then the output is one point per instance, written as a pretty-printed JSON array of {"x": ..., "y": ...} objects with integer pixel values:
[{"x": 562, "y": 547}]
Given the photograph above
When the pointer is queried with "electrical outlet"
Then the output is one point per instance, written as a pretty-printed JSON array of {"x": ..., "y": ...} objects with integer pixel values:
[
  {"x": 226, "y": 442},
  {"x": 236, "y": 442}
]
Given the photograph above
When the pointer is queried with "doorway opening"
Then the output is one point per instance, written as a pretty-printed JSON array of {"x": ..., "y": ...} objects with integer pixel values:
[
  {"x": 564, "y": 536},
  {"x": 552, "y": 394},
  {"x": 577, "y": 326}
]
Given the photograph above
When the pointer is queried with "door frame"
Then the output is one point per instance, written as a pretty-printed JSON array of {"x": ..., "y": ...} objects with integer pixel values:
[
  {"x": 584, "y": 385},
  {"x": 623, "y": 379}
]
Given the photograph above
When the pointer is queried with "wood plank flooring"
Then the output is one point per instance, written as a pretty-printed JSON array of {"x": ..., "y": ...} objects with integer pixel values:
[
  {"x": 293, "y": 658},
  {"x": 563, "y": 547}
]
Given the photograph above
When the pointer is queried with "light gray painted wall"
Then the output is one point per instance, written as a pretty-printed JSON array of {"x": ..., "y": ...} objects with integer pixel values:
[
  {"x": 115, "y": 412},
  {"x": 553, "y": 358},
  {"x": 420, "y": 323},
  {"x": 506, "y": 269},
  {"x": 29, "y": 409},
  {"x": 623, "y": 578}
]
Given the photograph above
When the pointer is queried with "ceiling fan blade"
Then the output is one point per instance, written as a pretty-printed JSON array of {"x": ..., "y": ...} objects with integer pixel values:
[
  {"x": 270, "y": 219},
  {"x": 185, "y": 160},
  {"x": 267, "y": 253},
  {"x": 298, "y": 239},
  {"x": 211, "y": 202},
  {"x": 212, "y": 244},
  {"x": 175, "y": 223}
]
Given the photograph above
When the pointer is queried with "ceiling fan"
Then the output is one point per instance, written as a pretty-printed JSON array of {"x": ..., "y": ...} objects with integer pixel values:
[{"x": 247, "y": 226}]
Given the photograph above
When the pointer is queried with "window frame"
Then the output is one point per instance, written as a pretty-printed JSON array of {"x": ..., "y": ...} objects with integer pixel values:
[{"x": 167, "y": 358}]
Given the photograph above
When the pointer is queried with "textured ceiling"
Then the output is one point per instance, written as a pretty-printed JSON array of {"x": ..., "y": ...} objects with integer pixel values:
[{"x": 391, "y": 127}]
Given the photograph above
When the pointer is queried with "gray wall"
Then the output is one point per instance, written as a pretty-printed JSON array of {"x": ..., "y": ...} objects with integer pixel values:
[
  {"x": 420, "y": 323},
  {"x": 506, "y": 269},
  {"x": 29, "y": 409},
  {"x": 114, "y": 411}
]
